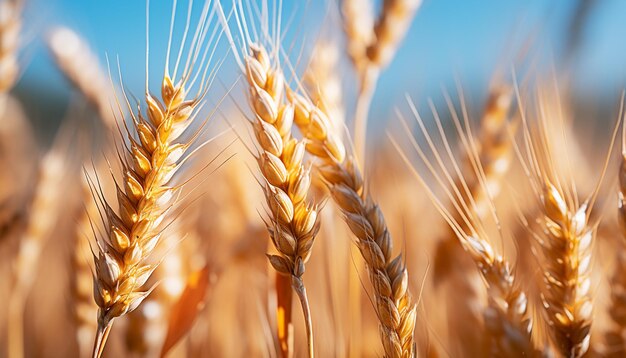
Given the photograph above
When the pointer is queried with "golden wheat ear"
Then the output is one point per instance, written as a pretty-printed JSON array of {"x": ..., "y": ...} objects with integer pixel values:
[
  {"x": 505, "y": 317},
  {"x": 151, "y": 154},
  {"x": 388, "y": 274},
  {"x": 566, "y": 234},
  {"x": 293, "y": 221}
]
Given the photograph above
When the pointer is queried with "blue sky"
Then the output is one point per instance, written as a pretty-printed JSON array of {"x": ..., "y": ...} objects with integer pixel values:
[{"x": 462, "y": 38}]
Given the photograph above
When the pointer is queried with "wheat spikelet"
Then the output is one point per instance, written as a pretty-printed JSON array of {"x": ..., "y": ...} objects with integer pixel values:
[
  {"x": 293, "y": 222},
  {"x": 41, "y": 221},
  {"x": 506, "y": 316},
  {"x": 151, "y": 158},
  {"x": 80, "y": 66},
  {"x": 148, "y": 324},
  {"x": 389, "y": 277}
]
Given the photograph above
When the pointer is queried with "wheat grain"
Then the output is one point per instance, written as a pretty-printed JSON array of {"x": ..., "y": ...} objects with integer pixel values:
[
  {"x": 147, "y": 327},
  {"x": 388, "y": 274}
]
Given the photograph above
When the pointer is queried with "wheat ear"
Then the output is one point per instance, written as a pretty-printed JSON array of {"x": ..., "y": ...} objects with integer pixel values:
[
  {"x": 293, "y": 222},
  {"x": 566, "y": 236},
  {"x": 150, "y": 158},
  {"x": 493, "y": 148},
  {"x": 567, "y": 285},
  {"x": 505, "y": 316},
  {"x": 144, "y": 203},
  {"x": 388, "y": 274},
  {"x": 80, "y": 66},
  {"x": 41, "y": 221}
]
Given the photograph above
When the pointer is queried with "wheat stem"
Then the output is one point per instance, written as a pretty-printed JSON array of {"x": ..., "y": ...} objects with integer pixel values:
[
  {"x": 298, "y": 287},
  {"x": 369, "y": 77}
]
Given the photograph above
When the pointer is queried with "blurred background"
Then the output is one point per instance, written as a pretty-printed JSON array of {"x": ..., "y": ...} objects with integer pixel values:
[
  {"x": 580, "y": 42},
  {"x": 448, "y": 39}
]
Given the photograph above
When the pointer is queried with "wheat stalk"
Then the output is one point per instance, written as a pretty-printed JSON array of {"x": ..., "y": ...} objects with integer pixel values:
[
  {"x": 389, "y": 30},
  {"x": 388, "y": 274},
  {"x": 293, "y": 222},
  {"x": 151, "y": 159}
]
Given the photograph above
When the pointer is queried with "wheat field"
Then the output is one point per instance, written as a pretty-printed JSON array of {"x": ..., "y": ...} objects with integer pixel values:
[{"x": 246, "y": 199}]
